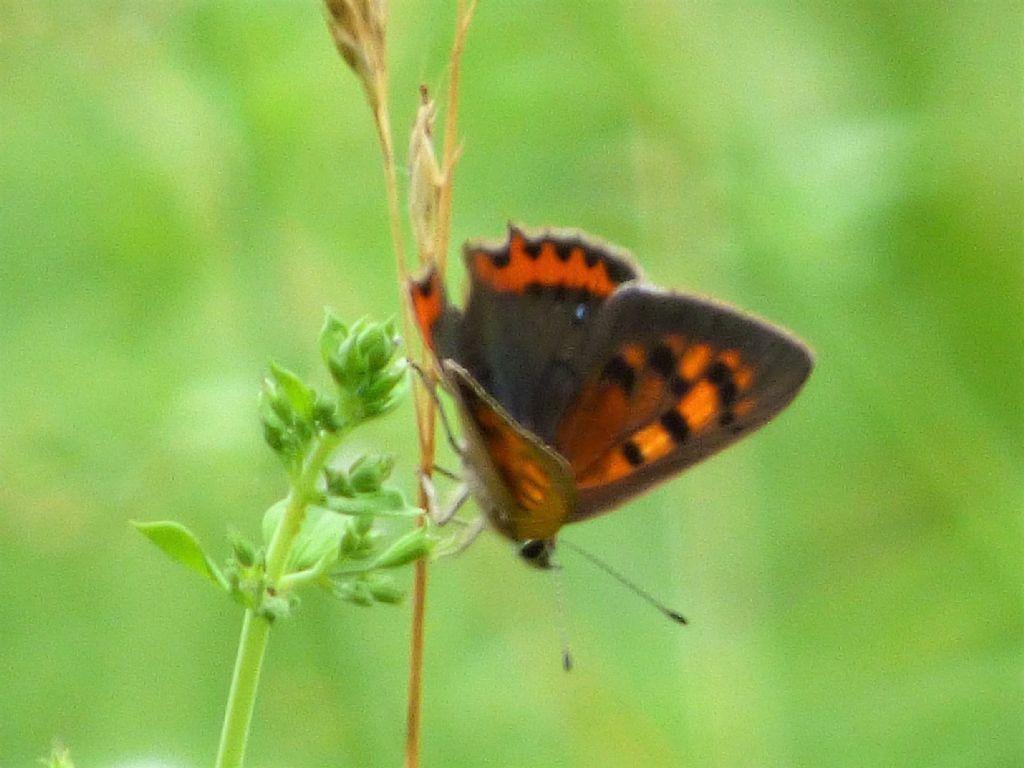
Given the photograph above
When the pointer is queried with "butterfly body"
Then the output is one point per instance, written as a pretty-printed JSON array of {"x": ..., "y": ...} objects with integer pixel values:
[{"x": 579, "y": 385}]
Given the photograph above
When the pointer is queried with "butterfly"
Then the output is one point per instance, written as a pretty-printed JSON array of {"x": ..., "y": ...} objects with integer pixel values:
[{"x": 580, "y": 386}]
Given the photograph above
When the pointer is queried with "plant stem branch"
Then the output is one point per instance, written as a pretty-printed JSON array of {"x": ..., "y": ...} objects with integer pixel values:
[
  {"x": 295, "y": 510},
  {"x": 252, "y": 644},
  {"x": 383, "y": 121}
]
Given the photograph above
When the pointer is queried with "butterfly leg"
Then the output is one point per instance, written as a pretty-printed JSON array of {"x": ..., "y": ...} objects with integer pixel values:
[
  {"x": 430, "y": 384},
  {"x": 466, "y": 537},
  {"x": 442, "y": 514},
  {"x": 439, "y": 470}
]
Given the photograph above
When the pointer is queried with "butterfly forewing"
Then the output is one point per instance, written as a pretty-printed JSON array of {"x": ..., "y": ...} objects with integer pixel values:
[
  {"x": 562, "y": 261},
  {"x": 531, "y": 302},
  {"x": 439, "y": 322},
  {"x": 673, "y": 379}
]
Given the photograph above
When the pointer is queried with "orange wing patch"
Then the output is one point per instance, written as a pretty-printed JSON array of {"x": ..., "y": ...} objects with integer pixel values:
[
  {"x": 428, "y": 302},
  {"x": 647, "y": 403},
  {"x": 513, "y": 456},
  {"x": 523, "y": 264},
  {"x": 694, "y": 360},
  {"x": 585, "y": 431},
  {"x": 530, "y": 491},
  {"x": 699, "y": 405}
]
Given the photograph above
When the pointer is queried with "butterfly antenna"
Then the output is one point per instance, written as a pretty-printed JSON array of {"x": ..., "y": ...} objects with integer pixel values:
[
  {"x": 643, "y": 594},
  {"x": 563, "y": 618}
]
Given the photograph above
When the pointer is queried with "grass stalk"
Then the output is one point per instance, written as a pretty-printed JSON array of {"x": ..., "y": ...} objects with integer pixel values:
[{"x": 359, "y": 30}]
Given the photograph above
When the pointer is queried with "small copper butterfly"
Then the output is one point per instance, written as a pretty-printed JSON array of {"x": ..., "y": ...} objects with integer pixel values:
[{"x": 579, "y": 385}]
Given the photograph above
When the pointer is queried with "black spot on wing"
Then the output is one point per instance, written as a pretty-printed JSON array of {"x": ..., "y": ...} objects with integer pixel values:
[
  {"x": 676, "y": 426},
  {"x": 678, "y": 386},
  {"x": 662, "y": 361},
  {"x": 620, "y": 372},
  {"x": 619, "y": 271},
  {"x": 720, "y": 375},
  {"x": 563, "y": 249},
  {"x": 633, "y": 454}
]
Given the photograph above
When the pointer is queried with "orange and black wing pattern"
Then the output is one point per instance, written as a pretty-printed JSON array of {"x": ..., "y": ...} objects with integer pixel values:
[
  {"x": 562, "y": 262},
  {"x": 679, "y": 379},
  {"x": 532, "y": 301},
  {"x": 579, "y": 386},
  {"x": 430, "y": 307}
]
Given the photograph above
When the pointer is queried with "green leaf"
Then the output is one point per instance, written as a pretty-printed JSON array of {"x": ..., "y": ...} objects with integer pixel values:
[
  {"x": 369, "y": 472},
  {"x": 408, "y": 548},
  {"x": 319, "y": 536},
  {"x": 387, "y": 502},
  {"x": 377, "y": 344},
  {"x": 364, "y": 363},
  {"x": 331, "y": 335},
  {"x": 271, "y": 519},
  {"x": 383, "y": 589},
  {"x": 273, "y": 607},
  {"x": 292, "y": 581},
  {"x": 354, "y": 591},
  {"x": 366, "y": 589},
  {"x": 325, "y": 414},
  {"x": 286, "y": 435},
  {"x": 300, "y": 395},
  {"x": 180, "y": 544},
  {"x": 244, "y": 551},
  {"x": 411, "y": 546}
]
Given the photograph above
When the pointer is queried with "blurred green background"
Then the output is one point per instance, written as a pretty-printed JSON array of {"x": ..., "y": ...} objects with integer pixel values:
[{"x": 185, "y": 185}]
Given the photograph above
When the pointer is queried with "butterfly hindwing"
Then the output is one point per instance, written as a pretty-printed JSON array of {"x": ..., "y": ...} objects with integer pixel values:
[{"x": 673, "y": 379}]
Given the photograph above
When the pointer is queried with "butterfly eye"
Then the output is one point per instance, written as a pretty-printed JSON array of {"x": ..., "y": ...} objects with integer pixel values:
[{"x": 581, "y": 312}]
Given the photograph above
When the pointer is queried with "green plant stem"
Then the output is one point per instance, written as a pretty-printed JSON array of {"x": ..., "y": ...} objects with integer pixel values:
[
  {"x": 252, "y": 644},
  {"x": 295, "y": 511},
  {"x": 242, "y": 699}
]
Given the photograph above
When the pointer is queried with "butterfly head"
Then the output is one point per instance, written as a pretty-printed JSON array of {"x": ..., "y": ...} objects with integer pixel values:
[{"x": 537, "y": 553}]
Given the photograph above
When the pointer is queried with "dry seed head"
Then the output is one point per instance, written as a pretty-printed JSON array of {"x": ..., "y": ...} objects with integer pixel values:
[
  {"x": 425, "y": 178},
  {"x": 359, "y": 28}
]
